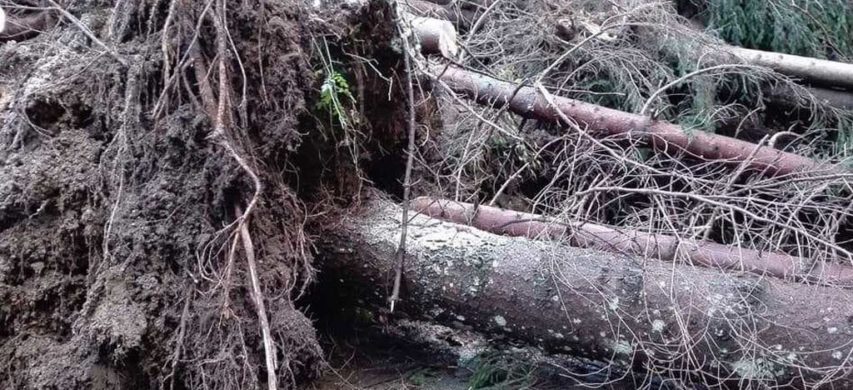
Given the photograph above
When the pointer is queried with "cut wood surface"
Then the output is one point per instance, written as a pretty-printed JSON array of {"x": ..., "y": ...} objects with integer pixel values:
[
  {"x": 605, "y": 122},
  {"x": 594, "y": 304},
  {"x": 458, "y": 15},
  {"x": 435, "y": 36},
  {"x": 634, "y": 242}
]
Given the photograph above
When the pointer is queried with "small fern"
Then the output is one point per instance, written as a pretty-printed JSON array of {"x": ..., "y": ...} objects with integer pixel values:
[{"x": 334, "y": 87}]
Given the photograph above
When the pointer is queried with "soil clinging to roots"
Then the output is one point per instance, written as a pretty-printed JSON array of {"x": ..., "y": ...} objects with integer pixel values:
[{"x": 150, "y": 194}]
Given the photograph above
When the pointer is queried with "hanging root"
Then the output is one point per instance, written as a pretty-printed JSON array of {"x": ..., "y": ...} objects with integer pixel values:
[{"x": 258, "y": 297}]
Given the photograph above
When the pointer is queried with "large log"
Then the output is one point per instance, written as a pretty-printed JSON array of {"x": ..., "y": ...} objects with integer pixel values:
[
  {"x": 691, "y": 322},
  {"x": 605, "y": 122},
  {"x": 635, "y": 243}
]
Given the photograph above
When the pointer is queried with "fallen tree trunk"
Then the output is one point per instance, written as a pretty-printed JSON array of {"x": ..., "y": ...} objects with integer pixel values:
[
  {"x": 832, "y": 73},
  {"x": 690, "y": 322},
  {"x": 788, "y": 98},
  {"x": 605, "y": 122},
  {"x": 635, "y": 243}
]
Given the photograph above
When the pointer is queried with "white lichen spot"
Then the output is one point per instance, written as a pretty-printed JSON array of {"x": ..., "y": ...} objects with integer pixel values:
[
  {"x": 602, "y": 334},
  {"x": 622, "y": 347},
  {"x": 758, "y": 369},
  {"x": 614, "y": 304},
  {"x": 837, "y": 355},
  {"x": 500, "y": 321},
  {"x": 559, "y": 335},
  {"x": 832, "y": 330},
  {"x": 658, "y": 325},
  {"x": 555, "y": 298},
  {"x": 460, "y": 318},
  {"x": 576, "y": 321}
]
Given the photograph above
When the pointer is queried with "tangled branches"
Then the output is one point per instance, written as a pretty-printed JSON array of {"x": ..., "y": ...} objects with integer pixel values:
[{"x": 642, "y": 57}]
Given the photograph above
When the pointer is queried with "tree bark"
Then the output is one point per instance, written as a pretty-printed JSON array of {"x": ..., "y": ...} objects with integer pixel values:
[
  {"x": 786, "y": 97},
  {"x": 635, "y": 243},
  {"x": 690, "y": 322},
  {"x": 605, "y": 122},
  {"x": 831, "y": 73}
]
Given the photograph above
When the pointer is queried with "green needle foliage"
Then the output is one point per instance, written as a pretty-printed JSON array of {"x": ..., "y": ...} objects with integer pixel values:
[{"x": 813, "y": 28}]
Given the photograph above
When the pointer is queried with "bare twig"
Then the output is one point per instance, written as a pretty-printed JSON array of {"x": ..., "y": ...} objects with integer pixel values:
[
  {"x": 73, "y": 19},
  {"x": 407, "y": 180},
  {"x": 651, "y": 99},
  {"x": 258, "y": 297}
]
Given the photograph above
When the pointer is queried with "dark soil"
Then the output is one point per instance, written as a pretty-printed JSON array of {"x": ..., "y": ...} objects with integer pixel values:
[{"x": 118, "y": 200}]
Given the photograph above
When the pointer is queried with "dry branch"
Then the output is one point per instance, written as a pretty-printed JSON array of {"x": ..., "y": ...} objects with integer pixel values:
[
  {"x": 633, "y": 242},
  {"x": 691, "y": 321},
  {"x": 605, "y": 122}
]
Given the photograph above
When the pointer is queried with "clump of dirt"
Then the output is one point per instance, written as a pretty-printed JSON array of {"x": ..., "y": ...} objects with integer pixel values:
[{"x": 130, "y": 166}]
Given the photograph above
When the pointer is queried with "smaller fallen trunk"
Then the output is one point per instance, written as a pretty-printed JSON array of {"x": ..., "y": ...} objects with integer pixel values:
[
  {"x": 605, "y": 122},
  {"x": 788, "y": 98},
  {"x": 831, "y": 73},
  {"x": 635, "y": 243},
  {"x": 435, "y": 36},
  {"x": 686, "y": 321}
]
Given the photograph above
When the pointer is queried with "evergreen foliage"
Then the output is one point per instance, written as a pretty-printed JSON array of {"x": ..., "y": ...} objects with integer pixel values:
[{"x": 813, "y": 28}]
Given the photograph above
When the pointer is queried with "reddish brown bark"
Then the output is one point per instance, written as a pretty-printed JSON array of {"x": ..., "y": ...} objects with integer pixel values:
[
  {"x": 605, "y": 122},
  {"x": 634, "y": 243}
]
